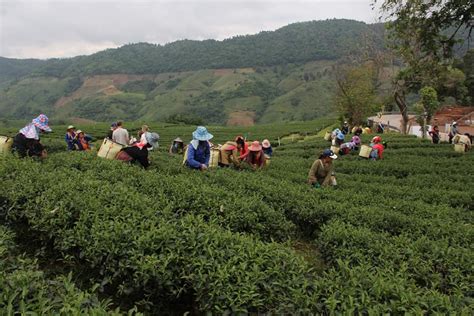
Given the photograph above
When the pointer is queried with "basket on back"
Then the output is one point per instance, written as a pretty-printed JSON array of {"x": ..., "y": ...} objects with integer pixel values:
[
  {"x": 5, "y": 144},
  {"x": 327, "y": 136},
  {"x": 109, "y": 149},
  {"x": 365, "y": 151},
  {"x": 213, "y": 160},
  {"x": 460, "y": 148}
]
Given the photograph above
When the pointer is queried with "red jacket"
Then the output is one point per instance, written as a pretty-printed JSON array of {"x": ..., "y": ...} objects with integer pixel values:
[
  {"x": 380, "y": 149},
  {"x": 244, "y": 151}
]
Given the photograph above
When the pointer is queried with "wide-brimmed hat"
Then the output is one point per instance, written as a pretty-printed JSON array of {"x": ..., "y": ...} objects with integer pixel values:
[
  {"x": 42, "y": 123},
  {"x": 356, "y": 139},
  {"x": 255, "y": 146},
  {"x": 455, "y": 123},
  {"x": 79, "y": 131},
  {"x": 266, "y": 143},
  {"x": 70, "y": 127},
  {"x": 178, "y": 140},
  {"x": 329, "y": 153},
  {"x": 376, "y": 139},
  {"x": 202, "y": 134},
  {"x": 152, "y": 139}
]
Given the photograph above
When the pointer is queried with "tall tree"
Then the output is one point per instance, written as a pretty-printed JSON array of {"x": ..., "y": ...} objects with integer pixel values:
[
  {"x": 418, "y": 32},
  {"x": 436, "y": 21},
  {"x": 356, "y": 92}
]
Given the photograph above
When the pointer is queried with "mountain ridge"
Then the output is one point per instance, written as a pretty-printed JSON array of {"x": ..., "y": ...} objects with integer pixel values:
[{"x": 280, "y": 75}]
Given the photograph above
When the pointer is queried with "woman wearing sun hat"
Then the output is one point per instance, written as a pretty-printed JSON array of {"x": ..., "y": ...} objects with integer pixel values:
[
  {"x": 267, "y": 148},
  {"x": 199, "y": 150},
  {"x": 377, "y": 148},
  {"x": 27, "y": 141},
  {"x": 82, "y": 141},
  {"x": 322, "y": 170},
  {"x": 70, "y": 136},
  {"x": 139, "y": 151},
  {"x": 256, "y": 158}
]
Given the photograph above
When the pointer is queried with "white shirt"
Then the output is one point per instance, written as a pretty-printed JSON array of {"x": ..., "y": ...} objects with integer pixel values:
[{"x": 120, "y": 135}]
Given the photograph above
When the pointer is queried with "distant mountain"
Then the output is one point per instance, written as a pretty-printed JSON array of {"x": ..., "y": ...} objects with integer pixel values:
[{"x": 270, "y": 76}]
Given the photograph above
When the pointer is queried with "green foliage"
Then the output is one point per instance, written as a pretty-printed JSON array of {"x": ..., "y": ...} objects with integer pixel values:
[
  {"x": 394, "y": 237},
  {"x": 429, "y": 101},
  {"x": 139, "y": 86},
  {"x": 356, "y": 95}
]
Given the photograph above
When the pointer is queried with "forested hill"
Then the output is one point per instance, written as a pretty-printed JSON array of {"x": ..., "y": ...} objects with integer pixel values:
[
  {"x": 295, "y": 43},
  {"x": 281, "y": 75}
]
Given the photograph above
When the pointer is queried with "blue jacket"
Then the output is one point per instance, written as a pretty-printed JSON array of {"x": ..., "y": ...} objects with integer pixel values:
[
  {"x": 70, "y": 140},
  {"x": 268, "y": 151},
  {"x": 199, "y": 156}
]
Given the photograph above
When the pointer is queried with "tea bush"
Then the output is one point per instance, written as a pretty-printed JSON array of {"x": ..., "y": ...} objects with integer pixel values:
[{"x": 395, "y": 236}]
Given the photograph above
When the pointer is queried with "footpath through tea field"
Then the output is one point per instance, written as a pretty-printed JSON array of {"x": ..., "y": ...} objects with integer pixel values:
[{"x": 80, "y": 234}]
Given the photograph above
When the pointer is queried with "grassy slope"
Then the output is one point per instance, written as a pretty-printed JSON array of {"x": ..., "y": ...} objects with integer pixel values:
[{"x": 183, "y": 92}]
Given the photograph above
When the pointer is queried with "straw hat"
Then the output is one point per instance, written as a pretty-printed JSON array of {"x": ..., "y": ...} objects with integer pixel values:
[{"x": 71, "y": 127}]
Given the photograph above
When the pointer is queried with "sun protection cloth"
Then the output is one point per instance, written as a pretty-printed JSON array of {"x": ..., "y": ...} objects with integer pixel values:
[
  {"x": 30, "y": 131},
  {"x": 42, "y": 123},
  {"x": 201, "y": 133},
  {"x": 266, "y": 143},
  {"x": 199, "y": 155},
  {"x": 70, "y": 127},
  {"x": 340, "y": 135},
  {"x": 255, "y": 146},
  {"x": 152, "y": 139},
  {"x": 329, "y": 153}
]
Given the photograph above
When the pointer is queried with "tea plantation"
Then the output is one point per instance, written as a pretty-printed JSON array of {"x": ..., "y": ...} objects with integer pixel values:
[{"x": 83, "y": 235}]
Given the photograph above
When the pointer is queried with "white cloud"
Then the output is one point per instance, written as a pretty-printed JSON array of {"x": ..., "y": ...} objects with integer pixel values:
[{"x": 42, "y": 28}]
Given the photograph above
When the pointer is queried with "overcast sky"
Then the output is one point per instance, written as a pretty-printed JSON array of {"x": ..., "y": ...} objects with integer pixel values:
[{"x": 65, "y": 28}]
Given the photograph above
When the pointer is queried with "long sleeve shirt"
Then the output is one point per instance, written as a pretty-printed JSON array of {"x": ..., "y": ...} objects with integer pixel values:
[
  {"x": 120, "y": 135},
  {"x": 320, "y": 173},
  {"x": 199, "y": 156},
  {"x": 379, "y": 147},
  {"x": 69, "y": 138}
]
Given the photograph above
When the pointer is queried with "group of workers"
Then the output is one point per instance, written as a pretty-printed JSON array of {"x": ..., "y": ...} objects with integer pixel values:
[
  {"x": 200, "y": 151},
  {"x": 232, "y": 153},
  {"x": 455, "y": 137}
]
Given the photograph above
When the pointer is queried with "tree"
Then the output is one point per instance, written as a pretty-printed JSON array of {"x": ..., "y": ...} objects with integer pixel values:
[
  {"x": 426, "y": 106},
  {"x": 429, "y": 101},
  {"x": 437, "y": 22},
  {"x": 423, "y": 33},
  {"x": 356, "y": 94}
]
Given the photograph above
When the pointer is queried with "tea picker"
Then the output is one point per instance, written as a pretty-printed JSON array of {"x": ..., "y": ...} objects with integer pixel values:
[
  {"x": 377, "y": 148},
  {"x": 27, "y": 141},
  {"x": 138, "y": 152},
  {"x": 321, "y": 173},
  {"x": 198, "y": 153}
]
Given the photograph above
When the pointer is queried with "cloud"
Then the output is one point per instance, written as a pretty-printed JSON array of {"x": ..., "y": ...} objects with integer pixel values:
[{"x": 44, "y": 29}]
